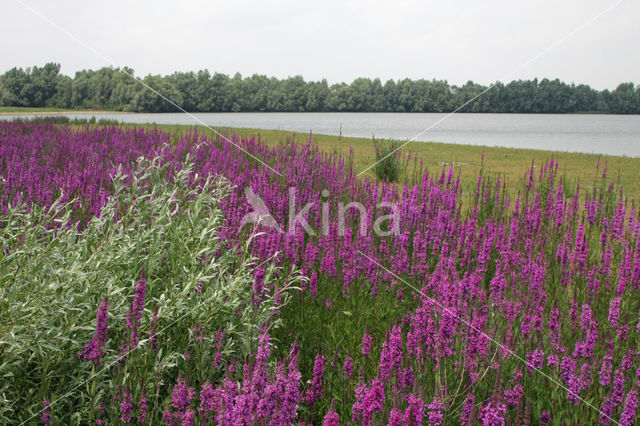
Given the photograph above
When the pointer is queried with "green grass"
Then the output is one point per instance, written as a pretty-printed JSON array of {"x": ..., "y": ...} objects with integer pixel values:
[
  {"x": 509, "y": 163},
  {"x": 46, "y": 110}
]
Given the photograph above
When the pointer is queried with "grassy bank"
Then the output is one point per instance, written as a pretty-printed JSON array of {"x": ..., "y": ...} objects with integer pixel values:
[
  {"x": 49, "y": 110},
  {"x": 509, "y": 163}
]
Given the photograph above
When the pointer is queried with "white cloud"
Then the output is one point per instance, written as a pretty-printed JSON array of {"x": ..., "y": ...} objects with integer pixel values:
[{"x": 337, "y": 40}]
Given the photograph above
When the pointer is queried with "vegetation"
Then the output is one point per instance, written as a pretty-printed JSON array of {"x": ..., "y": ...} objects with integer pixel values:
[
  {"x": 469, "y": 160},
  {"x": 389, "y": 165},
  {"x": 114, "y": 89},
  {"x": 42, "y": 110},
  {"x": 521, "y": 308},
  {"x": 152, "y": 265}
]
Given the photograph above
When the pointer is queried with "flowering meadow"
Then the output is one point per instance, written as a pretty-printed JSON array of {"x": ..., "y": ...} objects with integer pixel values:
[{"x": 132, "y": 290}]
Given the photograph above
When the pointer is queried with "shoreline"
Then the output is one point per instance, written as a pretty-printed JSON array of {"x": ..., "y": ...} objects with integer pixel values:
[
  {"x": 51, "y": 112},
  {"x": 30, "y": 111}
]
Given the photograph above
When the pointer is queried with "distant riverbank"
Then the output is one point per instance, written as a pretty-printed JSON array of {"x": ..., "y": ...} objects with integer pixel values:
[{"x": 4, "y": 110}]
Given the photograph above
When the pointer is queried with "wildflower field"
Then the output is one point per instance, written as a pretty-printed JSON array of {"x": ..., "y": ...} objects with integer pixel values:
[{"x": 133, "y": 289}]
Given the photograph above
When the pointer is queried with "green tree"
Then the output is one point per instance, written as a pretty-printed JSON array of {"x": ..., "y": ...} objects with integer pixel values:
[
  {"x": 624, "y": 100},
  {"x": 317, "y": 96},
  {"x": 338, "y": 98},
  {"x": 147, "y": 100},
  {"x": 12, "y": 83}
]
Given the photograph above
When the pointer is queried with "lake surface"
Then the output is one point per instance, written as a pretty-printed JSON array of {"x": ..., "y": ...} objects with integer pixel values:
[{"x": 589, "y": 133}]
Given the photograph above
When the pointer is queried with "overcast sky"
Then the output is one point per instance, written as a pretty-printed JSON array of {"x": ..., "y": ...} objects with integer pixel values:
[{"x": 339, "y": 40}]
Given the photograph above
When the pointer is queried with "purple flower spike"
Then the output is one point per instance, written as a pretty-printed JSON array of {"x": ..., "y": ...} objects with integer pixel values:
[{"x": 94, "y": 350}]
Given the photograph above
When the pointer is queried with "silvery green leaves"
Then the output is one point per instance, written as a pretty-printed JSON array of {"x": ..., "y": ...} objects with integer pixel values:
[{"x": 161, "y": 221}]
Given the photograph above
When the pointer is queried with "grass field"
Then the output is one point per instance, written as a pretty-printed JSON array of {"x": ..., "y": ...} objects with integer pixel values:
[
  {"x": 47, "y": 110},
  {"x": 508, "y": 163}
]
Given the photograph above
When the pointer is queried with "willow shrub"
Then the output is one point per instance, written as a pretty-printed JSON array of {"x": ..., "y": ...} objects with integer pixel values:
[
  {"x": 390, "y": 165},
  {"x": 159, "y": 228}
]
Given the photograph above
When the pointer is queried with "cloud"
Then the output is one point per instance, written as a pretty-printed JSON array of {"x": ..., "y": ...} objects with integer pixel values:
[{"x": 337, "y": 40}]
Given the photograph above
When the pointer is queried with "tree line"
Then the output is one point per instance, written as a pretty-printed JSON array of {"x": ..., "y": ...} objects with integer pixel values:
[{"x": 114, "y": 89}]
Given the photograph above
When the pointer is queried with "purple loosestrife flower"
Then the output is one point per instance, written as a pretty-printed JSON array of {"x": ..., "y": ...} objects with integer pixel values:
[
  {"x": 93, "y": 350},
  {"x": 607, "y": 410},
  {"x": 368, "y": 401},
  {"x": 605, "y": 370},
  {"x": 535, "y": 360},
  {"x": 435, "y": 412},
  {"x": 258, "y": 284},
  {"x": 630, "y": 408},
  {"x": 360, "y": 393},
  {"x": 627, "y": 360},
  {"x": 405, "y": 379},
  {"x": 622, "y": 332},
  {"x": 492, "y": 414},
  {"x": 618, "y": 388},
  {"x": 567, "y": 366},
  {"x": 585, "y": 376},
  {"x": 573, "y": 314},
  {"x": 366, "y": 344},
  {"x": 126, "y": 406},
  {"x": 135, "y": 311},
  {"x": 259, "y": 377},
  {"x": 267, "y": 403},
  {"x": 217, "y": 345},
  {"x": 552, "y": 360},
  {"x": 167, "y": 417},
  {"x": 624, "y": 273},
  {"x": 514, "y": 396},
  {"x": 315, "y": 389},
  {"x": 517, "y": 375},
  {"x": 45, "y": 418},
  {"x": 198, "y": 333},
  {"x": 573, "y": 393},
  {"x": 209, "y": 400},
  {"x": 545, "y": 417},
  {"x": 466, "y": 416},
  {"x": 614, "y": 312},
  {"x": 396, "y": 418},
  {"x": 188, "y": 418},
  {"x": 242, "y": 409},
  {"x": 153, "y": 344},
  {"x": 142, "y": 407},
  {"x": 391, "y": 354},
  {"x": 228, "y": 395},
  {"x": 331, "y": 418},
  {"x": 313, "y": 283},
  {"x": 290, "y": 398},
  {"x": 348, "y": 366},
  {"x": 288, "y": 391},
  {"x": 586, "y": 317},
  {"x": 328, "y": 265},
  {"x": 182, "y": 395}
]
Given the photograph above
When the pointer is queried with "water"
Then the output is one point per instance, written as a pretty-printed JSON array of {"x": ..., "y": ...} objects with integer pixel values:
[{"x": 597, "y": 133}]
